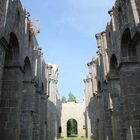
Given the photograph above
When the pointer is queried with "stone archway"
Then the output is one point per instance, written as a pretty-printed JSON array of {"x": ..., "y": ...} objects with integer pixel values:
[
  {"x": 72, "y": 128},
  {"x": 72, "y": 110},
  {"x": 27, "y": 105},
  {"x": 128, "y": 49},
  {"x": 10, "y": 89}
]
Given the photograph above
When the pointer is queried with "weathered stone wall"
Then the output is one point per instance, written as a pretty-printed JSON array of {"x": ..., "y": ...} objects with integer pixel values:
[
  {"x": 72, "y": 110},
  {"x": 116, "y": 87},
  {"x": 23, "y": 79},
  {"x": 59, "y": 109},
  {"x": 52, "y": 104},
  {"x": 88, "y": 111}
]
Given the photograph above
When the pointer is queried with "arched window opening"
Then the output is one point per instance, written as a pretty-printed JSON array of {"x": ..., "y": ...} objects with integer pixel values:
[
  {"x": 60, "y": 129},
  {"x": 99, "y": 87},
  {"x": 128, "y": 50},
  {"x": 72, "y": 130},
  {"x": 42, "y": 88},
  {"x": 113, "y": 63},
  {"x": 114, "y": 71},
  {"x": 136, "y": 42},
  {"x": 27, "y": 69},
  {"x": 12, "y": 54}
]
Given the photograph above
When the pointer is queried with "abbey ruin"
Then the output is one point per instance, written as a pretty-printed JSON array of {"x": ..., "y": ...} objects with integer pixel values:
[
  {"x": 30, "y": 108},
  {"x": 113, "y": 109}
]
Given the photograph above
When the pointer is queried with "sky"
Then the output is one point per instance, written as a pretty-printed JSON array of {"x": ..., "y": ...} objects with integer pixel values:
[{"x": 67, "y": 36}]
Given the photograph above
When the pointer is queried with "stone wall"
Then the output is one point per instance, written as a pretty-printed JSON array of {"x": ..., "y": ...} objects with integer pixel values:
[
  {"x": 52, "y": 104},
  {"x": 72, "y": 110},
  {"x": 115, "y": 75},
  {"x": 23, "y": 79}
]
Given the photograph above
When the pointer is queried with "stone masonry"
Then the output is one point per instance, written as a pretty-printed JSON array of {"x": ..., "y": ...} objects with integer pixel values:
[
  {"x": 26, "y": 82},
  {"x": 72, "y": 110},
  {"x": 29, "y": 104},
  {"x": 52, "y": 104},
  {"x": 115, "y": 76}
]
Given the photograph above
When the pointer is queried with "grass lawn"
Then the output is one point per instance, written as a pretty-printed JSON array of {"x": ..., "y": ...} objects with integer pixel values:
[{"x": 74, "y": 139}]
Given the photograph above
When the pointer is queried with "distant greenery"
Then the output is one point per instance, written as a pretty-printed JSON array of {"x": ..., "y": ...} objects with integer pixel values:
[
  {"x": 63, "y": 99},
  {"x": 72, "y": 127},
  {"x": 71, "y": 98}
]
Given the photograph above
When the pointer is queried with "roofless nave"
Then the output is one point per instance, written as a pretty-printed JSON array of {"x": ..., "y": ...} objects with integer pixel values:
[{"x": 29, "y": 107}]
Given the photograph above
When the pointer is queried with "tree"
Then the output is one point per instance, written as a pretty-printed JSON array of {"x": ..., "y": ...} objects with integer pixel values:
[
  {"x": 71, "y": 97},
  {"x": 72, "y": 127},
  {"x": 63, "y": 99}
]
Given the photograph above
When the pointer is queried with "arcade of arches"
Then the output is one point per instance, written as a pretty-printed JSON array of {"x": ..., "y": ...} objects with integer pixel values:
[{"x": 29, "y": 105}]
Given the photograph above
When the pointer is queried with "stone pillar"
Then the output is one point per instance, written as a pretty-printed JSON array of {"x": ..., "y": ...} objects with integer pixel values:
[
  {"x": 3, "y": 10},
  {"x": 2, "y": 59},
  {"x": 10, "y": 103},
  {"x": 88, "y": 94},
  {"x": 112, "y": 19},
  {"x": 116, "y": 115},
  {"x": 42, "y": 118},
  {"x": 36, "y": 119},
  {"x": 130, "y": 79},
  {"x": 27, "y": 110},
  {"x": 135, "y": 12}
]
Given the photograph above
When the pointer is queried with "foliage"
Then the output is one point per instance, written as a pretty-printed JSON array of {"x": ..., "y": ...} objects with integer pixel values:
[
  {"x": 71, "y": 97},
  {"x": 63, "y": 99},
  {"x": 72, "y": 127}
]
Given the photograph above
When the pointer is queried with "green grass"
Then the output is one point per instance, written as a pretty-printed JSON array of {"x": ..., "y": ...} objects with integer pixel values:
[{"x": 74, "y": 139}]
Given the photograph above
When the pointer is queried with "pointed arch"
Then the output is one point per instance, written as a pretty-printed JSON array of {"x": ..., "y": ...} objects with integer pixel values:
[
  {"x": 27, "y": 69},
  {"x": 99, "y": 87},
  {"x": 12, "y": 54},
  {"x": 128, "y": 50},
  {"x": 42, "y": 88},
  {"x": 113, "y": 63}
]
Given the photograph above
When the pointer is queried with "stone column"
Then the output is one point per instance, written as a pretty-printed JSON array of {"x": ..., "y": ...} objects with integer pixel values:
[
  {"x": 27, "y": 110},
  {"x": 135, "y": 12},
  {"x": 10, "y": 103},
  {"x": 2, "y": 59}
]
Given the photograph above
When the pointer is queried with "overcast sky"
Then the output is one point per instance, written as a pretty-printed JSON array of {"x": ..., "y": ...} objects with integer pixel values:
[{"x": 67, "y": 36}]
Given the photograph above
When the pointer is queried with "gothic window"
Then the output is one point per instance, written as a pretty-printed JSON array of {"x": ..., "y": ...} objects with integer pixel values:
[
  {"x": 99, "y": 87},
  {"x": 27, "y": 70},
  {"x": 60, "y": 129},
  {"x": 42, "y": 88},
  {"x": 113, "y": 63},
  {"x": 128, "y": 50},
  {"x": 12, "y": 54}
]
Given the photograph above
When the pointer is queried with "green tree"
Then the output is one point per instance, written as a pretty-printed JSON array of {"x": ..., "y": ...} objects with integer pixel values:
[
  {"x": 63, "y": 99},
  {"x": 72, "y": 127},
  {"x": 71, "y": 97}
]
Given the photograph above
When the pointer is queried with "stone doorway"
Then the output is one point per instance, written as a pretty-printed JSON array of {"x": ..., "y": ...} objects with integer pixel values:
[{"x": 72, "y": 128}]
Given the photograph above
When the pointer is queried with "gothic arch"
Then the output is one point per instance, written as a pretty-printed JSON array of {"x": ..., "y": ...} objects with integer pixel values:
[
  {"x": 27, "y": 69},
  {"x": 42, "y": 88},
  {"x": 26, "y": 104},
  {"x": 99, "y": 87},
  {"x": 128, "y": 50},
  {"x": 136, "y": 38},
  {"x": 12, "y": 54},
  {"x": 113, "y": 63}
]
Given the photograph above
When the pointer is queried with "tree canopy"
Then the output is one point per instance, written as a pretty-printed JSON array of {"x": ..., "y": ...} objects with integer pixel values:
[
  {"x": 63, "y": 99},
  {"x": 71, "y": 97}
]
